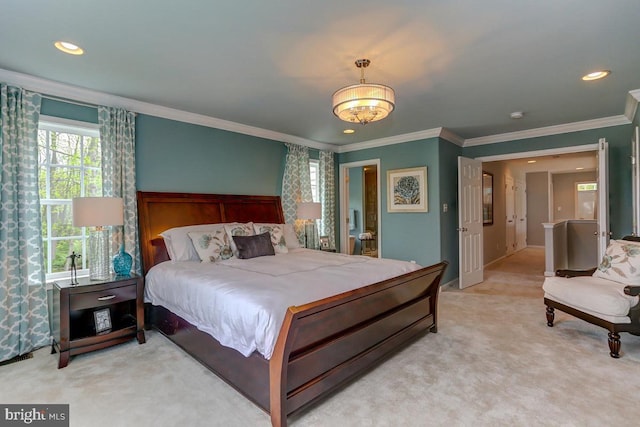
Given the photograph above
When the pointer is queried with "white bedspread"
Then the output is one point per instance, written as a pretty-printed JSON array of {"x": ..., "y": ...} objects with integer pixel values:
[{"x": 242, "y": 303}]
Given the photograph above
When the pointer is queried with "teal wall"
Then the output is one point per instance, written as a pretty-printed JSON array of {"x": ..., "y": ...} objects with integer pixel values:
[
  {"x": 407, "y": 236},
  {"x": 66, "y": 110},
  {"x": 619, "y": 139},
  {"x": 177, "y": 156}
]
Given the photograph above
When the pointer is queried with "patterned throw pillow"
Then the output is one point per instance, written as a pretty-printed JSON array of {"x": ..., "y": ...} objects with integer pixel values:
[
  {"x": 621, "y": 263},
  {"x": 238, "y": 230},
  {"x": 211, "y": 246},
  {"x": 277, "y": 236}
]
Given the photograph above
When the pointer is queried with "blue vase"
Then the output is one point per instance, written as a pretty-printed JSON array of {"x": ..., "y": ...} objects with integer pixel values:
[{"x": 122, "y": 263}]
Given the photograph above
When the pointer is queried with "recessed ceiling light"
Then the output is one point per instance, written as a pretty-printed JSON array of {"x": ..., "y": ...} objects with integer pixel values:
[
  {"x": 596, "y": 75},
  {"x": 531, "y": 161},
  {"x": 69, "y": 48},
  {"x": 516, "y": 115},
  {"x": 348, "y": 131}
]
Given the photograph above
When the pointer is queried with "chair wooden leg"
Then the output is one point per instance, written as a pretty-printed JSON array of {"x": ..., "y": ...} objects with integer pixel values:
[
  {"x": 550, "y": 316},
  {"x": 614, "y": 344}
]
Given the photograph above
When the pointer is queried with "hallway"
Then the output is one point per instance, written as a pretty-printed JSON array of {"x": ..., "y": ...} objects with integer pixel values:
[{"x": 520, "y": 274}]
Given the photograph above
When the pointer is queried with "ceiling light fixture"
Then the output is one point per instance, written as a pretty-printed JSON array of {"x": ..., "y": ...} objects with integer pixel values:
[
  {"x": 596, "y": 75},
  {"x": 365, "y": 102},
  {"x": 69, "y": 48}
]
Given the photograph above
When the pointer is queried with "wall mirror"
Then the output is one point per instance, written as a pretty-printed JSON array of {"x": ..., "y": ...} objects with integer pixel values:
[{"x": 487, "y": 198}]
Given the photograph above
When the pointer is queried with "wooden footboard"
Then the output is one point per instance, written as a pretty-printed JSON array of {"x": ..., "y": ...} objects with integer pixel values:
[{"x": 325, "y": 343}]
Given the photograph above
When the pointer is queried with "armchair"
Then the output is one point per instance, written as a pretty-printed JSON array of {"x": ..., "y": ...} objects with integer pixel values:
[{"x": 606, "y": 296}]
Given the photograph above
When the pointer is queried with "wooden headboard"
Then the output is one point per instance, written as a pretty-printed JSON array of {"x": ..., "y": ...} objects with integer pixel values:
[{"x": 158, "y": 212}]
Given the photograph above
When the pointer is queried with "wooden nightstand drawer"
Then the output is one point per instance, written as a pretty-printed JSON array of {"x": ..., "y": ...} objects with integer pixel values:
[
  {"x": 101, "y": 298},
  {"x": 73, "y": 308}
]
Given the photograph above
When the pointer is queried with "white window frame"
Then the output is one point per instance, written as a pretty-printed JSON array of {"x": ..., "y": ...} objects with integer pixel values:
[
  {"x": 314, "y": 169},
  {"x": 57, "y": 124}
]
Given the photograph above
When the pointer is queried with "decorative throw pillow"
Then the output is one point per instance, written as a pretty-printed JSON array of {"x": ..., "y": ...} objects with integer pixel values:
[
  {"x": 211, "y": 246},
  {"x": 621, "y": 263},
  {"x": 277, "y": 235},
  {"x": 254, "y": 246},
  {"x": 178, "y": 242},
  {"x": 238, "y": 230}
]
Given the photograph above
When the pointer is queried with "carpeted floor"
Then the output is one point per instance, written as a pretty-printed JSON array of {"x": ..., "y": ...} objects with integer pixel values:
[{"x": 493, "y": 362}]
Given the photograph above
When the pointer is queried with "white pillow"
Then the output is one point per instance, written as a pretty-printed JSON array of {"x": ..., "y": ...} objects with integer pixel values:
[
  {"x": 291, "y": 237},
  {"x": 212, "y": 245},
  {"x": 238, "y": 229},
  {"x": 178, "y": 243},
  {"x": 621, "y": 263},
  {"x": 276, "y": 231}
]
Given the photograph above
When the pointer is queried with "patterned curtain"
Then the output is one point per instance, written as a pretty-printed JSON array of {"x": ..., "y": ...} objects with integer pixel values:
[
  {"x": 296, "y": 184},
  {"x": 328, "y": 197},
  {"x": 117, "y": 136},
  {"x": 24, "y": 317}
]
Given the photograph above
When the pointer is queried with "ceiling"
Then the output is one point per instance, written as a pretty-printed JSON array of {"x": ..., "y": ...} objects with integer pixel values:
[{"x": 464, "y": 65}]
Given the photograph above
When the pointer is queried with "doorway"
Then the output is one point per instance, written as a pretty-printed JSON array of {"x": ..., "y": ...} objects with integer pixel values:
[
  {"x": 494, "y": 236},
  {"x": 360, "y": 230}
]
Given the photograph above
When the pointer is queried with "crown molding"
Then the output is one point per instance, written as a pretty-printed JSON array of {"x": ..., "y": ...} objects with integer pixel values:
[
  {"x": 632, "y": 104},
  {"x": 549, "y": 130},
  {"x": 399, "y": 139},
  {"x": 76, "y": 93}
]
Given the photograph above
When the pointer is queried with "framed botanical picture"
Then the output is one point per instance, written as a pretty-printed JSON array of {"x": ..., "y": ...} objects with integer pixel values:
[
  {"x": 102, "y": 321},
  {"x": 407, "y": 190}
]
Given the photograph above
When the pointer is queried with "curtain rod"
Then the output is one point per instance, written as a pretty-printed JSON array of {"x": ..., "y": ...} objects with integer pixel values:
[{"x": 70, "y": 101}]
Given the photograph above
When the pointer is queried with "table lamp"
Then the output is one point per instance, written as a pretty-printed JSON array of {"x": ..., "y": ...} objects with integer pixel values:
[
  {"x": 309, "y": 212},
  {"x": 98, "y": 213}
]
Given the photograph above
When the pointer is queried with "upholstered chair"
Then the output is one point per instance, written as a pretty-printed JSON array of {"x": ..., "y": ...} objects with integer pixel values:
[{"x": 606, "y": 296}]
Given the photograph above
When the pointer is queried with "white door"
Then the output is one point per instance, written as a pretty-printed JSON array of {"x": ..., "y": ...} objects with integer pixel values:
[
  {"x": 635, "y": 184},
  {"x": 521, "y": 215},
  {"x": 470, "y": 222},
  {"x": 603, "y": 197},
  {"x": 510, "y": 218}
]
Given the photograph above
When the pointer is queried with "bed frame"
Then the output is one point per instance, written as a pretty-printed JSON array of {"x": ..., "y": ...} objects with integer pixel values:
[{"x": 322, "y": 344}]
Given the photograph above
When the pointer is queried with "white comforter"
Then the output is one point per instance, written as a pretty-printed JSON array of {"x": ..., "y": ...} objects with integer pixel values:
[{"x": 242, "y": 303}]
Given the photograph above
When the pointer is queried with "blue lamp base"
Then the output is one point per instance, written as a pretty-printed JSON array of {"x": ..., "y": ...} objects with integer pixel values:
[{"x": 122, "y": 263}]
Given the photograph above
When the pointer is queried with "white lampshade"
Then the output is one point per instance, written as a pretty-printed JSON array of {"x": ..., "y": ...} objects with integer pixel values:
[
  {"x": 365, "y": 102},
  {"x": 97, "y": 211},
  {"x": 309, "y": 210}
]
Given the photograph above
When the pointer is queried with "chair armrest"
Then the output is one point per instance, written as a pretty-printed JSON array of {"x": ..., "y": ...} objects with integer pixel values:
[
  {"x": 632, "y": 290},
  {"x": 575, "y": 273}
]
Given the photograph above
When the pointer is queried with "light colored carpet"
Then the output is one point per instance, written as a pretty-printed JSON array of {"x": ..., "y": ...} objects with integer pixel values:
[{"x": 494, "y": 362}]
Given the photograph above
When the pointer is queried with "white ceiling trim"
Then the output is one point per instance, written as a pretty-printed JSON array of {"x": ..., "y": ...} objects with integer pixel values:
[
  {"x": 549, "y": 130},
  {"x": 76, "y": 93},
  {"x": 632, "y": 104},
  {"x": 539, "y": 153},
  {"x": 392, "y": 140}
]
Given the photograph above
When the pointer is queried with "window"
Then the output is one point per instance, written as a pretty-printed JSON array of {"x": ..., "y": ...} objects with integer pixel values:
[
  {"x": 70, "y": 166},
  {"x": 314, "y": 171}
]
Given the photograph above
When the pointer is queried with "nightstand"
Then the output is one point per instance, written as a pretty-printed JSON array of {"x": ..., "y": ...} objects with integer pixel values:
[{"x": 96, "y": 314}]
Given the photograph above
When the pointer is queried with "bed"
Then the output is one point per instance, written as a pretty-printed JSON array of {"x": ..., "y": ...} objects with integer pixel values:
[{"x": 320, "y": 345}]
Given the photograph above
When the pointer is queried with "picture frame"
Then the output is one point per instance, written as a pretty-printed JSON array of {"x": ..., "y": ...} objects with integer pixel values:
[
  {"x": 102, "y": 319},
  {"x": 407, "y": 190},
  {"x": 324, "y": 242},
  {"x": 487, "y": 198}
]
